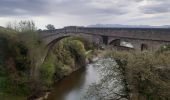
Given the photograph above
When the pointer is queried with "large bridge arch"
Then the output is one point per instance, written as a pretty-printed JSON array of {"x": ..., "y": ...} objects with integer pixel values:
[
  {"x": 56, "y": 40},
  {"x": 51, "y": 39}
]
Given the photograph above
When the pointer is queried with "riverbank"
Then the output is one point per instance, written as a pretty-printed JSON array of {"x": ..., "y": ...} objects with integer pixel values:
[
  {"x": 91, "y": 83},
  {"x": 103, "y": 66},
  {"x": 22, "y": 72},
  {"x": 93, "y": 56},
  {"x": 44, "y": 94},
  {"x": 146, "y": 73}
]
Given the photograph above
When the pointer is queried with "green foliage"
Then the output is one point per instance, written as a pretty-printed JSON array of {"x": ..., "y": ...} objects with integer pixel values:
[
  {"x": 15, "y": 52},
  {"x": 21, "y": 54},
  {"x": 66, "y": 56},
  {"x": 12, "y": 47},
  {"x": 9, "y": 87},
  {"x": 47, "y": 71},
  {"x": 164, "y": 48},
  {"x": 78, "y": 51},
  {"x": 88, "y": 45},
  {"x": 50, "y": 27},
  {"x": 13, "y": 73},
  {"x": 7, "y": 33},
  {"x": 69, "y": 51},
  {"x": 5, "y": 96},
  {"x": 146, "y": 73}
]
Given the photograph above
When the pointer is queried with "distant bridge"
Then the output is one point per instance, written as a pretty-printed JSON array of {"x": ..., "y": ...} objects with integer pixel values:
[{"x": 140, "y": 38}]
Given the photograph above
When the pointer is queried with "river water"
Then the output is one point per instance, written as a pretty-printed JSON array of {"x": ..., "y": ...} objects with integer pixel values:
[{"x": 101, "y": 80}]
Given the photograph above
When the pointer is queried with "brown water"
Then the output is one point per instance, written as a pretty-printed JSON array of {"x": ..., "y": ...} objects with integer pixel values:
[{"x": 74, "y": 86}]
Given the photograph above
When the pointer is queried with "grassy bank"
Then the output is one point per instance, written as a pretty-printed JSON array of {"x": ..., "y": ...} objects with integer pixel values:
[{"x": 146, "y": 73}]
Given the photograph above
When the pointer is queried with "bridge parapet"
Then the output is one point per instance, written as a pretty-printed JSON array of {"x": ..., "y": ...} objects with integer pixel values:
[
  {"x": 137, "y": 33},
  {"x": 105, "y": 35}
]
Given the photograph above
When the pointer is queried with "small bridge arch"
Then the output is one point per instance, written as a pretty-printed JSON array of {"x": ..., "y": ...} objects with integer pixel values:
[
  {"x": 121, "y": 43},
  {"x": 115, "y": 42},
  {"x": 51, "y": 39},
  {"x": 144, "y": 47}
]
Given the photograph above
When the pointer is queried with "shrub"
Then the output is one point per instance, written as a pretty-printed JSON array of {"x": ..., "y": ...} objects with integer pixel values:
[
  {"x": 146, "y": 73},
  {"x": 47, "y": 71},
  {"x": 14, "y": 62},
  {"x": 164, "y": 48}
]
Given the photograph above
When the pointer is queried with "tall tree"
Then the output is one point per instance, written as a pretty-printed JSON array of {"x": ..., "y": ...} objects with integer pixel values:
[{"x": 50, "y": 27}]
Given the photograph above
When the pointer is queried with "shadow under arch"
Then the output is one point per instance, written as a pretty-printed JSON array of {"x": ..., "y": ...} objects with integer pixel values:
[
  {"x": 144, "y": 47},
  {"x": 121, "y": 44},
  {"x": 115, "y": 42}
]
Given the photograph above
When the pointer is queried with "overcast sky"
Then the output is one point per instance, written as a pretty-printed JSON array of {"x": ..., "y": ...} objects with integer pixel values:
[{"x": 86, "y": 12}]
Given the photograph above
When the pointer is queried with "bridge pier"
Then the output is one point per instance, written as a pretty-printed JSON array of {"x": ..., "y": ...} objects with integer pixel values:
[{"x": 105, "y": 39}]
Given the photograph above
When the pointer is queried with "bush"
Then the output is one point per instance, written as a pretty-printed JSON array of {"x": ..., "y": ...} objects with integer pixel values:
[
  {"x": 47, "y": 71},
  {"x": 14, "y": 62},
  {"x": 10, "y": 87},
  {"x": 146, "y": 73},
  {"x": 164, "y": 48}
]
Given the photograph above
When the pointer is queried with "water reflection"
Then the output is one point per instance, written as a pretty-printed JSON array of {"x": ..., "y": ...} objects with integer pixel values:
[
  {"x": 74, "y": 86},
  {"x": 98, "y": 81}
]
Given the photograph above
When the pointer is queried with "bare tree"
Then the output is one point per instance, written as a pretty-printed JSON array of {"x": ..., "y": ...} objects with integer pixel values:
[{"x": 22, "y": 26}]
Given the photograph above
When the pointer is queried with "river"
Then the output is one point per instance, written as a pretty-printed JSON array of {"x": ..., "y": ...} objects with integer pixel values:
[{"x": 101, "y": 80}]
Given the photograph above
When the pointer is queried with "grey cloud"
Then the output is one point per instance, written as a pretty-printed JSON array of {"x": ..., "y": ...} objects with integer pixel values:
[
  {"x": 83, "y": 12},
  {"x": 22, "y": 7},
  {"x": 158, "y": 7},
  {"x": 85, "y": 9},
  {"x": 45, "y": 7}
]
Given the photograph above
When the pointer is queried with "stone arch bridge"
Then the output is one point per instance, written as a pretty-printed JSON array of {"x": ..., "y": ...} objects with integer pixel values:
[{"x": 141, "y": 38}]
